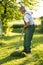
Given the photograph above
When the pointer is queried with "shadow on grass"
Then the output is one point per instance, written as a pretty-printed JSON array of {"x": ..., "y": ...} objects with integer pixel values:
[
  {"x": 2, "y": 44},
  {"x": 8, "y": 37},
  {"x": 11, "y": 45},
  {"x": 36, "y": 59},
  {"x": 18, "y": 55},
  {"x": 35, "y": 42},
  {"x": 13, "y": 56}
]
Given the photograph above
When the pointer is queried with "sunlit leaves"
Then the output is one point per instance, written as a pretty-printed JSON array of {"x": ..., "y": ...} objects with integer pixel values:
[
  {"x": 9, "y": 9},
  {"x": 12, "y": 7}
]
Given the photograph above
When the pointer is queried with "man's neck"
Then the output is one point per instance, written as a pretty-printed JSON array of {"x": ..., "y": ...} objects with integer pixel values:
[{"x": 24, "y": 12}]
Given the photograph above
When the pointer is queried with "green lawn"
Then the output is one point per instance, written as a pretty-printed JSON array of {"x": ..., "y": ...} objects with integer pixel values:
[{"x": 8, "y": 45}]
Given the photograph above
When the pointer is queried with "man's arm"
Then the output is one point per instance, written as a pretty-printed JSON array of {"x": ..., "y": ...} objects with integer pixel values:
[
  {"x": 26, "y": 19},
  {"x": 27, "y": 25}
]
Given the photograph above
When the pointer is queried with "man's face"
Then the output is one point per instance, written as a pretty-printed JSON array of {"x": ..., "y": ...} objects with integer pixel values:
[{"x": 22, "y": 11}]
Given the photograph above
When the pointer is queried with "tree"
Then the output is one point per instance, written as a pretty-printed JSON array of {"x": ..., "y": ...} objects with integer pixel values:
[
  {"x": 9, "y": 10},
  {"x": 41, "y": 18}
]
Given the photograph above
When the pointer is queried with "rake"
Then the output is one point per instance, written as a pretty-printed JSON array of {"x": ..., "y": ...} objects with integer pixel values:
[{"x": 17, "y": 47}]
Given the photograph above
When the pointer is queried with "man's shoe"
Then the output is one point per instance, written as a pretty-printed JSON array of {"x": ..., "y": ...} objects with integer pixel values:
[{"x": 26, "y": 51}]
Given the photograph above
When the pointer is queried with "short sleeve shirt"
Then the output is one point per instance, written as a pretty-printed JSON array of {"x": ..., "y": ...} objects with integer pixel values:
[{"x": 28, "y": 18}]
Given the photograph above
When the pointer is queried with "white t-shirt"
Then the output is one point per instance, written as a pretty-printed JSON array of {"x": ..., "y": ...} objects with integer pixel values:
[{"x": 28, "y": 18}]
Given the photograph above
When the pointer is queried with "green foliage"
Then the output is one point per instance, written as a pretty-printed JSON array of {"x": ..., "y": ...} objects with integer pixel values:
[
  {"x": 41, "y": 29},
  {"x": 9, "y": 10},
  {"x": 30, "y": 3},
  {"x": 17, "y": 26}
]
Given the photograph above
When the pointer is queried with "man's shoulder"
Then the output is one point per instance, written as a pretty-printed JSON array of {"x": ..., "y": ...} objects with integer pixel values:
[{"x": 27, "y": 13}]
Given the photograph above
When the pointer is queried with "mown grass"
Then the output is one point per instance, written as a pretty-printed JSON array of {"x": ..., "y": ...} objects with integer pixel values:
[{"x": 8, "y": 45}]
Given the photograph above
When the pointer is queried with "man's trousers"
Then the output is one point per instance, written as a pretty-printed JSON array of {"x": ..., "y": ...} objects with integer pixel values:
[{"x": 28, "y": 37}]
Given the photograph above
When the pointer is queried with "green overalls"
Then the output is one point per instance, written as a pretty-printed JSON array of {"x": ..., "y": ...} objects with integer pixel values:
[{"x": 28, "y": 37}]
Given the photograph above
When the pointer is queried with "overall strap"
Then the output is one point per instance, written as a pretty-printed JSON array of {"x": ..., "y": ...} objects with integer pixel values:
[
  {"x": 27, "y": 13},
  {"x": 24, "y": 15}
]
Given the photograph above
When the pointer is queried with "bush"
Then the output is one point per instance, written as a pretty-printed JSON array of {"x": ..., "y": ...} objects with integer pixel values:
[
  {"x": 41, "y": 28},
  {"x": 17, "y": 26}
]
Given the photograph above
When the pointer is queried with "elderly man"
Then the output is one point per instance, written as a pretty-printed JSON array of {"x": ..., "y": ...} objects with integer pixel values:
[{"x": 28, "y": 29}]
